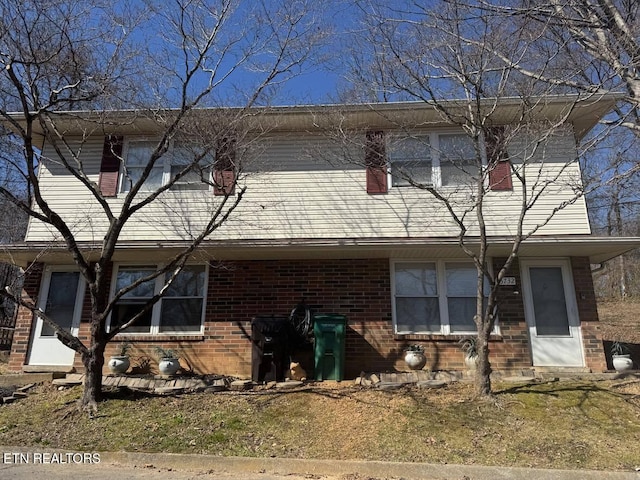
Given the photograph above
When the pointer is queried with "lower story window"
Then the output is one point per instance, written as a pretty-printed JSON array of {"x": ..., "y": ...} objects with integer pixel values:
[
  {"x": 435, "y": 297},
  {"x": 180, "y": 310}
]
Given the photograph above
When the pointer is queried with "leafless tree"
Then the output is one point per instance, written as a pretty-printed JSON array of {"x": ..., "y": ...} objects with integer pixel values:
[
  {"x": 66, "y": 63},
  {"x": 444, "y": 55},
  {"x": 581, "y": 45}
]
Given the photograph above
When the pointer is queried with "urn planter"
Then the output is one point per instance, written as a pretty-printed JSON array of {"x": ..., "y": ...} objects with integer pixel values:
[
  {"x": 622, "y": 363},
  {"x": 415, "y": 360},
  {"x": 168, "y": 361},
  {"x": 168, "y": 366},
  {"x": 119, "y": 364}
]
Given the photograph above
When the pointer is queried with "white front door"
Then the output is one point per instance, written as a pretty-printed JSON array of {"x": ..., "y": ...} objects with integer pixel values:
[
  {"x": 61, "y": 299},
  {"x": 551, "y": 313}
]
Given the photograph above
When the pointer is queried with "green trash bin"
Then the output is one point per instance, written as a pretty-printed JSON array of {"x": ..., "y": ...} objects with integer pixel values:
[{"x": 330, "y": 334}]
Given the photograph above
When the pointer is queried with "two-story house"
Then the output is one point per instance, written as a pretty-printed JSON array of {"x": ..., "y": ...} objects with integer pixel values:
[{"x": 324, "y": 222}]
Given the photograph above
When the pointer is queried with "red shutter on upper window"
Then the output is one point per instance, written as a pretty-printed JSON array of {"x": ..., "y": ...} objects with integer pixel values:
[
  {"x": 110, "y": 165},
  {"x": 498, "y": 160},
  {"x": 224, "y": 175},
  {"x": 376, "y": 163}
]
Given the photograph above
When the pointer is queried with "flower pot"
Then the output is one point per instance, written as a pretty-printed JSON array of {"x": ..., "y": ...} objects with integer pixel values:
[
  {"x": 168, "y": 366},
  {"x": 118, "y": 364},
  {"x": 622, "y": 363},
  {"x": 415, "y": 360}
]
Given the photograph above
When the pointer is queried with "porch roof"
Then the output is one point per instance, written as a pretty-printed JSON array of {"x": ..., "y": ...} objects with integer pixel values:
[{"x": 598, "y": 249}]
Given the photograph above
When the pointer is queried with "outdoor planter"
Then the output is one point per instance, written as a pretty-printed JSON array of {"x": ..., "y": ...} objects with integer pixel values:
[
  {"x": 168, "y": 363},
  {"x": 168, "y": 366},
  {"x": 620, "y": 357},
  {"x": 119, "y": 364},
  {"x": 470, "y": 348},
  {"x": 415, "y": 358},
  {"x": 622, "y": 363}
]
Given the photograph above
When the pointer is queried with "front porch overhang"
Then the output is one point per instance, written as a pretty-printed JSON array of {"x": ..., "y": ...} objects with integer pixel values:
[{"x": 597, "y": 249}]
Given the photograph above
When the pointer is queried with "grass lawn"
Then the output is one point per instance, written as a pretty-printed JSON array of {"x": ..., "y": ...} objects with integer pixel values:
[{"x": 592, "y": 425}]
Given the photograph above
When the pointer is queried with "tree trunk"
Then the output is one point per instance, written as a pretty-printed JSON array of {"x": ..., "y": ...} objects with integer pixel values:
[
  {"x": 93, "y": 362},
  {"x": 483, "y": 366}
]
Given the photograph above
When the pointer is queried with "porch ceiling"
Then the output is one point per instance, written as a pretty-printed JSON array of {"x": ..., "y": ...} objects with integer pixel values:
[{"x": 598, "y": 249}]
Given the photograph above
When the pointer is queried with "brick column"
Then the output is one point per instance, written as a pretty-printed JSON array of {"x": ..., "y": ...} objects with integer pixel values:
[
  {"x": 594, "y": 354},
  {"x": 25, "y": 319}
]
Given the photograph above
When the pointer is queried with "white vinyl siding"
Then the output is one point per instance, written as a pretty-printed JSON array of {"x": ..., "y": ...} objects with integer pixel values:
[{"x": 299, "y": 186}]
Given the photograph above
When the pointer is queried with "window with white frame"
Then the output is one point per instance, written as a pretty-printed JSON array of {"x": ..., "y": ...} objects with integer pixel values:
[
  {"x": 437, "y": 159},
  {"x": 180, "y": 155},
  {"x": 180, "y": 310},
  {"x": 434, "y": 297}
]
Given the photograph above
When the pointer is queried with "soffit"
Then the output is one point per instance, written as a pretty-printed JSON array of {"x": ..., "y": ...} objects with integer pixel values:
[{"x": 598, "y": 249}]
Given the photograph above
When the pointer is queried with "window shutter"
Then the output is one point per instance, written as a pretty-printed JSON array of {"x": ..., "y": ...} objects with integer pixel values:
[
  {"x": 224, "y": 175},
  {"x": 376, "y": 163},
  {"x": 110, "y": 165},
  {"x": 498, "y": 160}
]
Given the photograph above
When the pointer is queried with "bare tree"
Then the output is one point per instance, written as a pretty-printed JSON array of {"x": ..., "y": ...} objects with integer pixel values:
[
  {"x": 66, "y": 66},
  {"x": 581, "y": 45},
  {"x": 444, "y": 55}
]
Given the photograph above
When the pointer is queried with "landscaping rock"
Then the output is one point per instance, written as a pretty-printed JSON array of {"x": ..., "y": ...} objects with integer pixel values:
[
  {"x": 432, "y": 384},
  {"x": 65, "y": 382},
  {"x": 241, "y": 385},
  {"x": 289, "y": 384},
  {"x": 389, "y": 385}
]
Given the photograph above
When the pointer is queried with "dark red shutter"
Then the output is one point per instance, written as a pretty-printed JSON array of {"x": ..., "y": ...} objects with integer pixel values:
[
  {"x": 498, "y": 160},
  {"x": 376, "y": 163},
  {"x": 110, "y": 165},
  {"x": 224, "y": 175}
]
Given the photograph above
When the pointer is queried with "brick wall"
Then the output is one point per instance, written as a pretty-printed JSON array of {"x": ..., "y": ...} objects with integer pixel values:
[
  {"x": 588, "y": 312},
  {"x": 360, "y": 289},
  {"x": 24, "y": 320}
]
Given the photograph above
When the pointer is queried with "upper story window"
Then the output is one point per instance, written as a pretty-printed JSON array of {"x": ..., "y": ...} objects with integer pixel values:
[
  {"x": 436, "y": 159},
  {"x": 457, "y": 159},
  {"x": 410, "y": 160},
  {"x": 434, "y": 297},
  {"x": 180, "y": 310},
  {"x": 179, "y": 156}
]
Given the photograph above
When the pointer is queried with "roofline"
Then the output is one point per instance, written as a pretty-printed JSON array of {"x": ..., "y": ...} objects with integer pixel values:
[
  {"x": 587, "y": 110},
  {"x": 598, "y": 249}
]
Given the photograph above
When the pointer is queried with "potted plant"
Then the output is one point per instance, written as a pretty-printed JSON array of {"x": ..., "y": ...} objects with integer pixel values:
[
  {"x": 168, "y": 362},
  {"x": 119, "y": 363},
  {"x": 469, "y": 345},
  {"x": 621, "y": 358},
  {"x": 414, "y": 357}
]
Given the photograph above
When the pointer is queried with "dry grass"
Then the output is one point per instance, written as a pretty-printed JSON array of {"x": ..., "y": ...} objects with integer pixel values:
[
  {"x": 620, "y": 319},
  {"x": 592, "y": 425}
]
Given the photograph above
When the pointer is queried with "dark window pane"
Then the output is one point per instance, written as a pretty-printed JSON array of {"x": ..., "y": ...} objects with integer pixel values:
[
  {"x": 417, "y": 314},
  {"x": 188, "y": 283},
  {"x": 124, "y": 311},
  {"x": 549, "y": 301},
  {"x": 61, "y": 301},
  {"x": 181, "y": 315},
  {"x": 461, "y": 312}
]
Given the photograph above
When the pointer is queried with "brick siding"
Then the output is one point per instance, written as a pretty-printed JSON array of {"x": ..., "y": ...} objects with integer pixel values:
[
  {"x": 360, "y": 289},
  {"x": 25, "y": 319}
]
